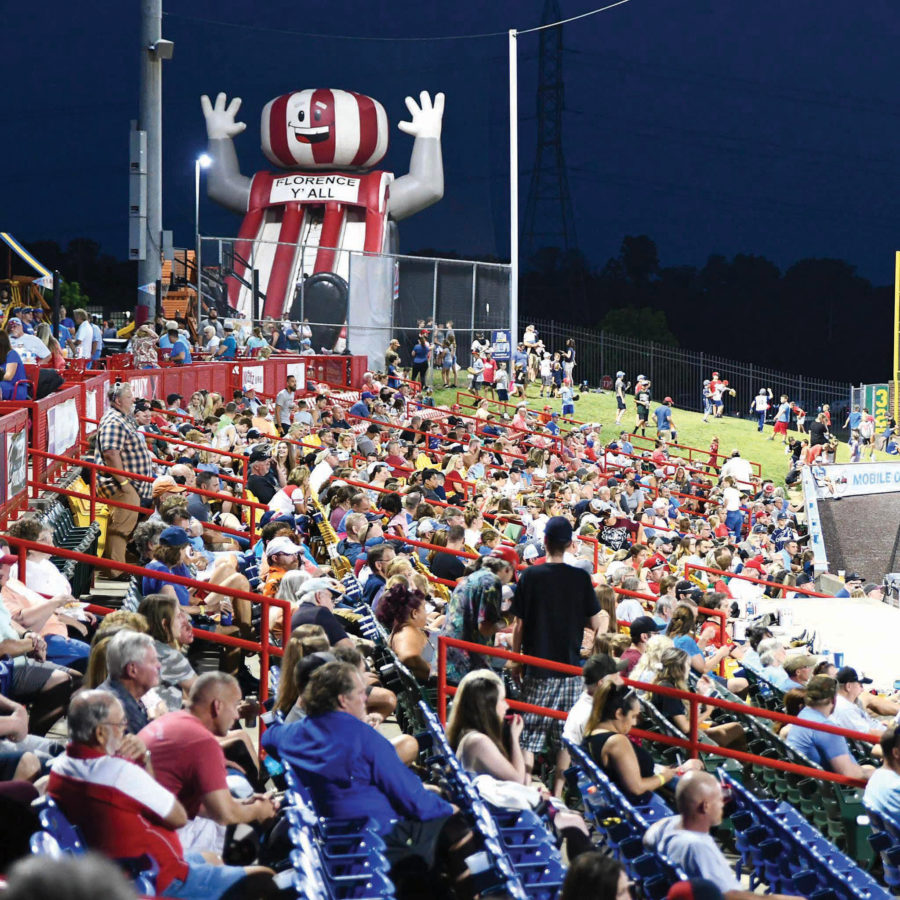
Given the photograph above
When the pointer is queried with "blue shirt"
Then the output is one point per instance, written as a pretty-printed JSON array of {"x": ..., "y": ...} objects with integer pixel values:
[
  {"x": 420, "y": 354},
  {"x": 182, "y": 346},
  {"x": 152, "y": 585},
  {"x": 777, "y": 677},
  {"x": 230, "y": 345},
  {"x": 21, "y": 391},
  {"x": 663, "y": 416},
  {"x": 360, "y": 409},
  {"x": 688, "y": 644},
  {"x": 818, "y": 746},
  {"x": 854, "y": 419},
  {"x": 352, "y": 771},
  {"x": 883, "y": 794}
]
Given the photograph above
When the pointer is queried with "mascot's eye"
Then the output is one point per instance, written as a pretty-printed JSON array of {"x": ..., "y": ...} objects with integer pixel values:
[
  {"x": 317, "y": 114},
  {"x": 301, "y": 116}
]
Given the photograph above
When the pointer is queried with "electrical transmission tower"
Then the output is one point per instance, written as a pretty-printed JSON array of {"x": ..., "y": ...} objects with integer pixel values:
[{"x": 549, "y": 221}]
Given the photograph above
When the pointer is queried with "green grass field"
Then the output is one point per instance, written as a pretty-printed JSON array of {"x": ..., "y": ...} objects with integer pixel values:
[{"x": 733, "y": 432}]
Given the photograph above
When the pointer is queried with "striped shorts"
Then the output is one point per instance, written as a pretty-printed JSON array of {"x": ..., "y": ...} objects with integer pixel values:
[{"x": 553, "y": 693}]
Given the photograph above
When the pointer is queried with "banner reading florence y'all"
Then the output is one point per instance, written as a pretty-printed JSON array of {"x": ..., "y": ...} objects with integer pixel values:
[{"x": 859, "y": 478}]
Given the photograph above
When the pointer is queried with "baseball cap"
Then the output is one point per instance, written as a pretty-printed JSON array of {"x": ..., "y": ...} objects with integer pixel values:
[
  {"x": 282, "y": 544},
  {"x": 668, "y": 400},
  {"x": 643, "y": 625},
  {"x": 853, "y": 576},
  {"x": 655, "y": 561},
  {"x": 166, "y": 484},
  {"x": 425, "y": 526},
  {"x": 530, "y": 552},
  {"x": 760, "y": 529},
  {"x": 367, "y": 395},
  {"x": 15, "y": 320},
  {"x": 171, "y": 398},
  {"x": 259, "y": 453},
  {"x": 314, "y": 585},
  {"x": 171, "y": 325},
  {"x": 249, "y": 387},
  {"x": 599, "y": 666},
  {"x": 140, "y": 405},
  {"x": 174, "y": 537},
  {"x": 846, "y": 675},
  {"x": 820, "y": 687},
  {"x": 694, "y": 889},
  {"x": 228, "y": 325},
  {"x": 801, "y": 661},
  {"x": 558, "y": 530},
  {"x": 507, "y": 553},
  {"x": 755, "y": 563}
]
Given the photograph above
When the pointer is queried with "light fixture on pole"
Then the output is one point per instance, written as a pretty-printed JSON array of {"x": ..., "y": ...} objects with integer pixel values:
[{"x": 203, "y": 161}]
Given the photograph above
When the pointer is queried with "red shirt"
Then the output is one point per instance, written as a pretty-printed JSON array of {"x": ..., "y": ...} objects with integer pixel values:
[
  {"x": 119, "y": 809},
  {"x": 187, "y": 759},
  {"x": 630, "y": 656},
  {"x": 399, "y": 466}
]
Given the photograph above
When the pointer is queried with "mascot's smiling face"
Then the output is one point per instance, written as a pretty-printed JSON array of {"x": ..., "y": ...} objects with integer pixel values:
[{"x": 324, "y": 129}]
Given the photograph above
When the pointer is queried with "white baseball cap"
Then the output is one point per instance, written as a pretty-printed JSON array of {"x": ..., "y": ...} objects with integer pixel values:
[{"x": 282, "y": 544}]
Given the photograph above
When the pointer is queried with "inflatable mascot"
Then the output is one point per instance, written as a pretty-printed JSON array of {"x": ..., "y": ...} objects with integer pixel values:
[{"x": 300, "y": 224}]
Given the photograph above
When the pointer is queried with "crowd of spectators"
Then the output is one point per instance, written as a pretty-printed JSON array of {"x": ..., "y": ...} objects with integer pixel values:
[{"x": 528, "y": 531}]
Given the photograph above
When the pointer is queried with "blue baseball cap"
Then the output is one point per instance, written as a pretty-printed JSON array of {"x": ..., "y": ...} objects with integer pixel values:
[{"x": 174, "y": 537}]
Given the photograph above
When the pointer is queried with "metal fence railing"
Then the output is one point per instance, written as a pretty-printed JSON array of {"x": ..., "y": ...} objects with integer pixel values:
[{"x": 679, "y": 373}]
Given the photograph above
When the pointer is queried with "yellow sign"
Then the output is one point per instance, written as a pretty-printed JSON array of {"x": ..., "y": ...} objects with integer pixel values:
[{"x": 881, "y": 407}]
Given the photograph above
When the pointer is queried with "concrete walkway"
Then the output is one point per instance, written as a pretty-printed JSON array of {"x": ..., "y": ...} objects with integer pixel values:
[{"x": 864, "y": 629}]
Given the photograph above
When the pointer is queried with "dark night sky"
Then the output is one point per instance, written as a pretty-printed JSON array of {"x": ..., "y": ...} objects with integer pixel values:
[{"x": 712, "y": 126}]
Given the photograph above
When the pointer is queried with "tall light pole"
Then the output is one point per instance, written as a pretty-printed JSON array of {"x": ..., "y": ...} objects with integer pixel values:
[
  {"x": 154, "y": 49},
  {"x": 201, "y": 162},
  {"x": 513, "y": 198}
]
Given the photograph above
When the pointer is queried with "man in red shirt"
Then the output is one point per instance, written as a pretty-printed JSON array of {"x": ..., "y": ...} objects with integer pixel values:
[
  {"x": 102, "y": 787},
  {"x": 188, "y": 760},
  {"x": 642, "y": 629}
]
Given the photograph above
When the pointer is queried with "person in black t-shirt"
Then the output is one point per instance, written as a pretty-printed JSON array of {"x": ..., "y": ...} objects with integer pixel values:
[
  {"x": 448, "y": 565},
  {"x": 262, "y": 481},
  {"x": 553, "y": 604},
  {"x": 317, "y": 608},
  {"x": 818, "y": 432}
]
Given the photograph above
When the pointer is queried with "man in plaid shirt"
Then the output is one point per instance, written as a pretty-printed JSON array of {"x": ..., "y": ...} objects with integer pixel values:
[{"x": 121, "y": 446}]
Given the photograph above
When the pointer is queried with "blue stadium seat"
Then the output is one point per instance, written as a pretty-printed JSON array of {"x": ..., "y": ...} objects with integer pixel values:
[
  {"x": 622, "y": 825},
  {"x": 782, "y": 848},
  {"x": 885, "y": 840}
]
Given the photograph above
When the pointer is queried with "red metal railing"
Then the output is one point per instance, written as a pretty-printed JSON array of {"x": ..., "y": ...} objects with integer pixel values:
[
  {"x": 503, "y": 403},
  {"x": 692, "y": 450},
  {"x": 692, "y": 744},
  {"x": 132, "y": 476},
  {"x": 262, "y": 647},
  {"x": 692, "y": 567}
]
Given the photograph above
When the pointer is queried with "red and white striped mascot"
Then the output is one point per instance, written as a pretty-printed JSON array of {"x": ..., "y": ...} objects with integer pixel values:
[{"x": 301, "y": 224}]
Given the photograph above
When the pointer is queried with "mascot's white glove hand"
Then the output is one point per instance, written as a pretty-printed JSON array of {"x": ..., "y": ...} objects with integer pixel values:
[
  {"x": 220, "y": 118},
  {"x": 426, "y": 117}
]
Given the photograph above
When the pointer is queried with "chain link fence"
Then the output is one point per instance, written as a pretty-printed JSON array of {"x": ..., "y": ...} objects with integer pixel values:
[
  {"x": 382, "y": 296},
  {"x": 679, "y": 373}
]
